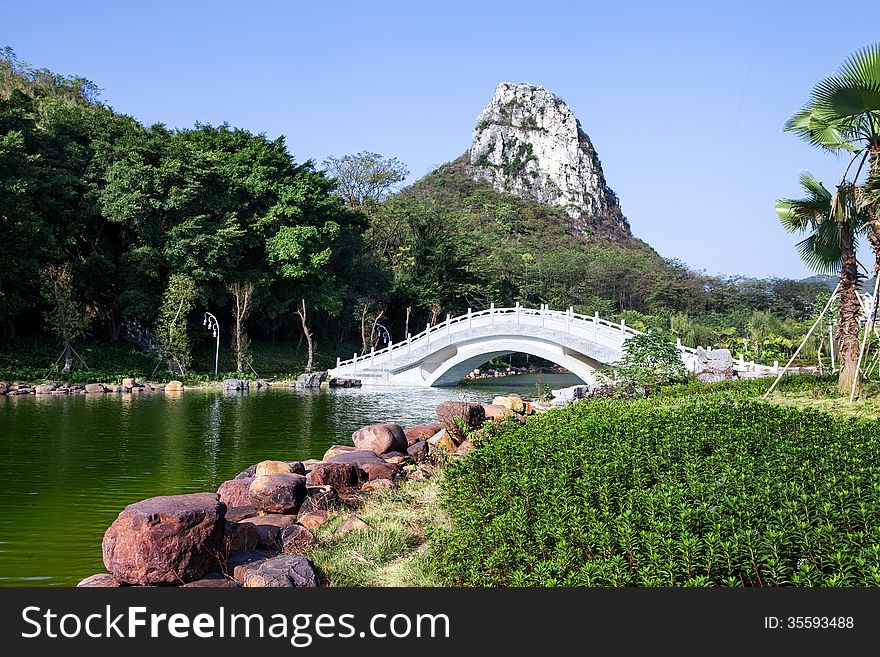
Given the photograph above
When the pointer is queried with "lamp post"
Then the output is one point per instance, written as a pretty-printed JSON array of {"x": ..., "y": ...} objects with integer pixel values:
[
  {"x": 383, "y": 333},
  {"x": 213, "y": 325}
]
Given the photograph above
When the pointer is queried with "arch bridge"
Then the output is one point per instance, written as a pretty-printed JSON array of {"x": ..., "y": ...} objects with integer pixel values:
[{"x": 442, "y": 355}]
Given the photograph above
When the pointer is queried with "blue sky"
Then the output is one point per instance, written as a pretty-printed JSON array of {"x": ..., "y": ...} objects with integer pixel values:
[{"x": 684, "y": 101}]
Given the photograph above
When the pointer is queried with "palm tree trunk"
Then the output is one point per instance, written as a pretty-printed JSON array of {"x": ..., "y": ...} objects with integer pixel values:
[{"x": 848, "y": 319}]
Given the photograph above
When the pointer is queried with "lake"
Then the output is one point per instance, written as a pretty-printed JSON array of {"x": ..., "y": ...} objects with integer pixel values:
[{"x": 70, "y": 463}]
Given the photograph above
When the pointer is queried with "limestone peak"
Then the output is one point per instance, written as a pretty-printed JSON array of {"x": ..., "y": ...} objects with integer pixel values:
[{"x": 527, "y": 141}]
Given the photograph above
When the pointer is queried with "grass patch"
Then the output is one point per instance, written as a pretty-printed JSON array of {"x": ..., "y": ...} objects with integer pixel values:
[{"x": 394, "y": 550}]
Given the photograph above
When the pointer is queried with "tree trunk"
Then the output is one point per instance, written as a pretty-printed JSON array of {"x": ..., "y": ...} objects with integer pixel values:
[
  {"x": 364, "y": 338},
  {"x": 848, "y": 318},
  {"x": 68, "y": 359},
  {"x": 301, "y": 312}
]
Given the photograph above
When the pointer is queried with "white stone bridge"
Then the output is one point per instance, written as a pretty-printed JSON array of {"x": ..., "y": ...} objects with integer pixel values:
[{"x": 442, "y": 355}]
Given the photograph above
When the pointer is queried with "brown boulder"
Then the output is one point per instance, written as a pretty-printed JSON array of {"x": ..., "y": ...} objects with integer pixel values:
[
  {"x": 296, "y": 539},
  {"x": 458, "y": 417},
  {"x": 421, "y": 432},
  {"x": 337, "y": 449},
  {"x": 381, "y": 470},
  {"x": 465, "y": 448},
  {"x": 443, "y": 440},
  {"x": 239, "y": 513},
  {"x": 496, "y": 412},
  {"x": 241, "y": 536},
  {"x": 356, "y": 458},
  {"x": 380, "y": 438},
  {"x": 418, "y": 451},
  {"x": 319, "y": 499},
  {"x": 278, "y": 493},
  {"x": 166, "y": 540},
  {"x": 235, "y": 492},
  {"x": 337, "y": 475},
  {"x": 269, "y": 528},
  {"x": 174, "y": 386},
  {"x": 95, "y": 387},
  {"x": 273, "y": 467},
  {"x": 512, "y": 402}
]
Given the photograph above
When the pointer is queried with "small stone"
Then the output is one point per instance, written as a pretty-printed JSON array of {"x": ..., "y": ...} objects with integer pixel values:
[
  {"x": 313, "y": 519},
  {"x": 377, "y": 484},
  {"x": 349, "y": 525},
  {"x": 99, "y": 581}
]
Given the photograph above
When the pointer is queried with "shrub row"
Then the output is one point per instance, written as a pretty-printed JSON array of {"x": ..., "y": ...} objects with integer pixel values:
[{"x": 703, "y": 491}]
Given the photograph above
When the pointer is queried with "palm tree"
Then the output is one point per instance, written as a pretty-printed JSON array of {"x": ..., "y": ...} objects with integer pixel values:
[
  {"x": 833, "y": 223},
  {"x": 843, "y": 114}
]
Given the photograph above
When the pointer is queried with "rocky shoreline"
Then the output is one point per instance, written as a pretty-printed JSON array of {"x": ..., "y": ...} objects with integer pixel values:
[{"x": 257, "y": 529}]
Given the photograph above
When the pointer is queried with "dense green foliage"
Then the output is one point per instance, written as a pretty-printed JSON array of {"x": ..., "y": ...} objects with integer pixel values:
[{"x": 691, "y": 491}]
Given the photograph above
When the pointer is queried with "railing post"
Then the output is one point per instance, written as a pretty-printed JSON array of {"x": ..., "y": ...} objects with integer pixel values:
[
  {"x": 470, "y": 318},
  {"x": 492, "y": 314},
  {"x": 776, "y": 367},
  {"x": 428, "y": 333},
  {"x": 448, "y": 321},
  {"x": 678, "y": 342},
  {"x": 355, "y": 363},
  {"x": 543, "y": 313},
  {"x": 408, "y": 343},
  {"x": 622, "y": 328},
  {"x": 596, "y": 326},
  {"x": 338, "y": 362},
  {"x": 372, "y": 353},
  {"x": 568, "y": 316},
  {"x": 517, "y": 308}
]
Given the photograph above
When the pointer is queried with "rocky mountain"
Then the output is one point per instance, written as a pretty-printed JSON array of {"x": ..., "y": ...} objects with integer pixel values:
[{"x": 529, "y": 143}]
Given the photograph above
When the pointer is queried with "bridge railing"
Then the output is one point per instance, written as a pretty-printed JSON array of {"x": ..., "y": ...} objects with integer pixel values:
[{"x": 572, "y": 321}]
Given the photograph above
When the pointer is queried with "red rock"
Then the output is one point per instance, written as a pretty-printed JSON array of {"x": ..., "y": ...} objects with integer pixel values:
[
  {"x": 418, "y": 451},
  {"x": 313, "y": 519},
  {"x": 396, "y": 458},
  {"x": 337, "y": 449},
  {"x": 381, "y": 470},
  {"x": 319, "y": 499},
  {"x": 269, "y": 528},
  {"x": 95, "y": 387},
  {"x": 337, "y": 475},
  {"x": 421, "y": 432},
  {"x": 235, "y": 492},
  {"x": 455, "y": 415},
  {"x": 296, "y": 539},
  {"x": 278, "y": 493},
  {"x": 278, "y": 572},
  {"x": 356, "y": 458},
  {"x": 349, "y": 525},
  {"x": 497, "y": 412},
  {"x": 166, "y": 540},
  {"x": 380, "y": 438},
  {"x": 239, "y": 513},
  {"x": 241, "y": 536}
]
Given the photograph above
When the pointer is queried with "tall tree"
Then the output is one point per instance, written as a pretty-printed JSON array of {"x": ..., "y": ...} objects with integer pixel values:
[
  {"x": 242, "y": 296},
  {"x": 66, "y": 317},
  {"x": 365, "y": 179},
  {"x": 843, "y": 114},
  {"x": 832, "y": 223}
]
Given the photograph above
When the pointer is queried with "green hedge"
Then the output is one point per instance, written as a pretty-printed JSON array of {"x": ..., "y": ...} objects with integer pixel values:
[{"x": 706, "y": 491}]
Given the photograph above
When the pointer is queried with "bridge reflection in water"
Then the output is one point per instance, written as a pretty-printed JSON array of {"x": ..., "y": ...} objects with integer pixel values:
[{"x": 442, "y": 355}]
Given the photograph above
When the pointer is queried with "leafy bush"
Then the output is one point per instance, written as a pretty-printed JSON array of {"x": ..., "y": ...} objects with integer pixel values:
[
  {"x": 649, "y": 359},
  {"x": 707, "y": 491}
]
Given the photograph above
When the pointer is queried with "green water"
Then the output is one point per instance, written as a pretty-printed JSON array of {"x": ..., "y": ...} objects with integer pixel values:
[{"x": 69, "y": 464}]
